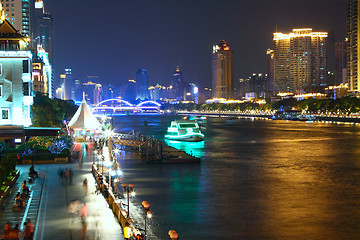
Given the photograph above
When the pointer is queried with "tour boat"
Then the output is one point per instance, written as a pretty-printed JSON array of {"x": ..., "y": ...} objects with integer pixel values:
[{"x": 184, "y": 130}]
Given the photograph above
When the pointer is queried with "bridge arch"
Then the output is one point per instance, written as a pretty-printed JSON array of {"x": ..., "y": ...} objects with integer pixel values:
[
  {"x": 147, "y": 102},
  {"x": 114, "y": 100}
]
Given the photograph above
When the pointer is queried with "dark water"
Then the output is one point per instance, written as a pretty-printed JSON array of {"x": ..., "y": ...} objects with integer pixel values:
[{"x": 257, "y": 180}]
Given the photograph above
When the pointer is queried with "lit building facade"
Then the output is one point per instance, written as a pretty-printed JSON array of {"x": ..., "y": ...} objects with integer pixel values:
[
  {"x": 270, "y": 72},
  {"x": 340, "y": 63},
  {"x": 222, "y": 71},
  {"x": 178, "y": 85},
  {"x": 353, "y": 33},
  {"x": 42, "y": 28},
  {"x": 42, "y": 75},
  {"x": 142, "y": 84},
  {"x": 67, "y": 85},
  {"x": 300, "y": 61},
  {"x": 16, "y": 94},
  {"x": 17, "y": 12}
]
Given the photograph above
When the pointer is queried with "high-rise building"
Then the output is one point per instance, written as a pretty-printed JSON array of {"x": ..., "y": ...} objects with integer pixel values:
[
  {"x": 178, "y": 85},
  {"x": 130, "y": 94},
  {"x": 222, "y": 71},
  {"x": 17, "y": 12},
  {"x": 15, "y": 75},
  {"x": 42, "y": 28},
  {"x": 300, "y": 61},
  {"x": 67, "y": 84},
  {"x": 353, "y": 32},
  {"x": 340, "y": 63},
  {"x": 270, "y": 71},
  {"x": 142, "y": 84}
]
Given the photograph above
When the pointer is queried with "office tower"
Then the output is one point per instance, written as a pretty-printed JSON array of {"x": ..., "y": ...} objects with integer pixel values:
[
  {"x": 340, "y": 63},
  {"x": 42, "y": 73},
  {"x": 300, "y": 61},
  {"x": 78, "y": 90},
  {"x": 130, "y": 94},
  {"x": 244, "y": 86},
  {"x": 222, "y": 71},
  {"x": 192, "y": 93},
  {"x": 108, "y": 91},
  {"x": 67, "y": 84},
  {"x": 353, "y": 57},
  {"x": 270, "y": 71},
  {"x": 15, "y": 76},
  {"x": 142, "y": 84},
  {"x": 178, "y": 85},
  {"x": 17, "y": 12},
  {"x": 42, "y": 28}
]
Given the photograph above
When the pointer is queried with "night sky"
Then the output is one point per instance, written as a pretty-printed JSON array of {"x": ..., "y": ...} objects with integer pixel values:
[{"x": 114, "y": 38}]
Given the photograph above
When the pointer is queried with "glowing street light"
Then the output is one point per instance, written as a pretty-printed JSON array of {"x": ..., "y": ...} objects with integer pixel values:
[
  {"x": 129, "y": 189},
  {"x": 173, "y": 235},
  {"x": 148, "y": 214}
]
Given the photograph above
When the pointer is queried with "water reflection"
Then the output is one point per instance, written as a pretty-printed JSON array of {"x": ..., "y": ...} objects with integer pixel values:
[{"x": 193, "y": 148}]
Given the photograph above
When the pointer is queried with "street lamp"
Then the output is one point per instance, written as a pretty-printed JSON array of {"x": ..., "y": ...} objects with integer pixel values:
[
  {"x": 173, "y": 235},
  {"x": 148, "y": 214},
  {"x": 129, "y": 189}
]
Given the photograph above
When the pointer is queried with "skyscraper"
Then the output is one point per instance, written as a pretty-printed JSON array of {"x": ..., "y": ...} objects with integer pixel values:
[
  {"x": 270, "y": 72},
  {"x": 142, "y": 84},
  {"x": 178, "y": 85},
  {"x": 300, "y": 61},
  {"x": 67, "y": 84},
  {"x": 353, "y": 25},
  {"x": 222, "y": 71},
  {"x": 17, "y": 12},
  {"x": 340, "y": 62},
  {"x": 42, "y": 28}
]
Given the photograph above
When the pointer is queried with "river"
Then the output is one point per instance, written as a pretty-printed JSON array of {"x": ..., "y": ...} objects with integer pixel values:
[{"x": 258, "y": 179}]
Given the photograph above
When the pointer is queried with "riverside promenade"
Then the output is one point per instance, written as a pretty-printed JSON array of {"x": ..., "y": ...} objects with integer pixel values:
[{"x": 48, "y": 206}]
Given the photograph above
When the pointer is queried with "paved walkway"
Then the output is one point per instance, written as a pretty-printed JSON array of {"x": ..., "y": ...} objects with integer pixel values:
[{"x": 53, "y": 220}]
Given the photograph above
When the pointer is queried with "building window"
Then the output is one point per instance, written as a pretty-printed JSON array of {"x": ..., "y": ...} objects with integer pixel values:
[
  {"x": 25, "y": 66},
  {"x": 4, "y": 113},
  {"x": 26, "y": 89}
]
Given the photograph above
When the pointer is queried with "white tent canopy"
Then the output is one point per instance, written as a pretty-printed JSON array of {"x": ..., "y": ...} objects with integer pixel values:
[{"x": 84, "y": 118}]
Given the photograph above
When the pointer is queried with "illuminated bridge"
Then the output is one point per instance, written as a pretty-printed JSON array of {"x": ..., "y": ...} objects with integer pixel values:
[{"x": 120, "y": 107}]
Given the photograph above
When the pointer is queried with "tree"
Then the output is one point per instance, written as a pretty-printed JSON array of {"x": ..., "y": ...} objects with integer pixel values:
[{"x": 51, "y": 112}]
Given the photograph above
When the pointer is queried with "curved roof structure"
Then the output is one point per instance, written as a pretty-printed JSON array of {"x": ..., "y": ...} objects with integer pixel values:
[{"x": 84, "y": 118}]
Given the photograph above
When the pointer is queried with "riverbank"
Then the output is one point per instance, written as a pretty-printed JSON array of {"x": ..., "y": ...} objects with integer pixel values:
[{"x": 267, "y": 115}]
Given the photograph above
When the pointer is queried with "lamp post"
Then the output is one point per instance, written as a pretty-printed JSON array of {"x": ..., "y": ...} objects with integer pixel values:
[
  {"x": 129, "y": 189},
  {"x": 147, "y": 212}
]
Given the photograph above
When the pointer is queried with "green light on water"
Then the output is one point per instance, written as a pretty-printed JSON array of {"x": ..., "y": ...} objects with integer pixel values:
[{"x": 194, "y": 148}]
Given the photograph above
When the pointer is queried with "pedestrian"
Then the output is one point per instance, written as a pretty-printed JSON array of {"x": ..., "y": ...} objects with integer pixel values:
[
  {"x": 61, "y": 175},
  {"x": 66, "y": 175},
  {"x": 15, "y": 232},
  {"x": 24, "y": 188},
  {"x": 74, "y": 208},
  {"x": 29, "y": 230},
  {"x": 85, "y": 187},
  {"x": 83, "y": 212},
  {"x": 70, "y": 175},
  {"x": 128, "y": 232},
  {"x": 7, "y": 230}
]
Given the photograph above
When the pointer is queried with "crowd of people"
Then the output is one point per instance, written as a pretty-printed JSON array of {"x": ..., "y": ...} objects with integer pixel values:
[
  {"x": 65, "y": 176},
  {"x": 13, "y": 232}
]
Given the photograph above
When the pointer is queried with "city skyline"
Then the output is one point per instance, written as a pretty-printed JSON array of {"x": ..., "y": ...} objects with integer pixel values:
[{"x": 166, "y": 34}]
